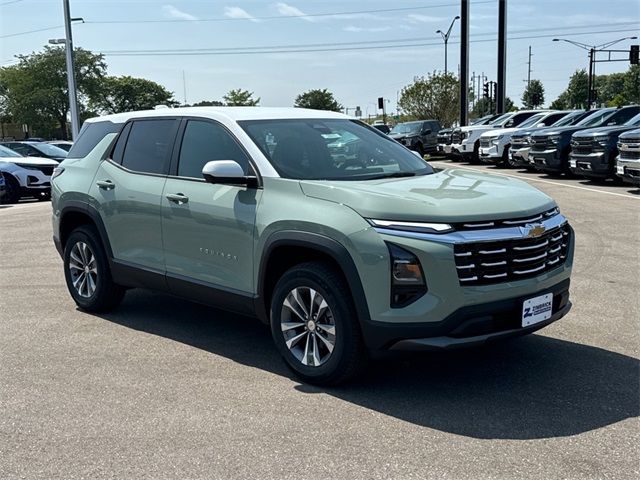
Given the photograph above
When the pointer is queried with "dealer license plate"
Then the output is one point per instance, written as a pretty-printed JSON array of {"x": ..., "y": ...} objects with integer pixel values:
[
  {"x": 620, "y": 170},
  {"x": 537, "y": 309}
]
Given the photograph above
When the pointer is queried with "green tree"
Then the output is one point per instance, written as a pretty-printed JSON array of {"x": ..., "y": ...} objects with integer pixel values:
[
  {"x": 240, "y": 98},
  {"x": 318, "y": 100},
  {"x": 36, "y": 87},
  {"x": 576, "y": 92},
  {"x": 129, "y": 94},
  {"x": 533, "y": 96},
  {"x": 560, "y": 103},
  {"x": 631, "y": 87},
  {"x": 481, "y": 108},
  {"x": 208, "y": 103},
  {"x": 509, "y": 106},
  {"x": 608, "y": 87},
  {"x": 434, "y": 96}
]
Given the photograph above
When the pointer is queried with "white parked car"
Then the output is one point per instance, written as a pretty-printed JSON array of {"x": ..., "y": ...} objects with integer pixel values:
[
  {"x": 25, "y": 176},
  {"x": 494, "y": 145},
  {"x": 466, "y": 140}
]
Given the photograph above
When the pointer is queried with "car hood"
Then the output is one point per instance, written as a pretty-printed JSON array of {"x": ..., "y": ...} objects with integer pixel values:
[
  {"x": 473, "y": 128},
  {"x": 500, "y": 131},
  {"x": 397, "y": 136},
  {"x": 45, "y": 162},
  {"x": 448, "y": 196},
  {"x": 561, "y": 130},
  {"x": 632, "y": 134},
  {"x": 607, "y": 130}
]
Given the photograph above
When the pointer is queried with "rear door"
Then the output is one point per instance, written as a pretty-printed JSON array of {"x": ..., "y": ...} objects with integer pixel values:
[{"x": 128, "y": 189}]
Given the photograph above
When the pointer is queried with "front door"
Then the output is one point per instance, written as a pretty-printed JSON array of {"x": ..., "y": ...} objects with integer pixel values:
[
  {"x": 208, "y": 229},
  {"x": 128, "y": 189}
]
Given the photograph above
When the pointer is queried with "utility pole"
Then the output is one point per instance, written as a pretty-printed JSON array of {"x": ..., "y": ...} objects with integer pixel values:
[
  {"x": 502, "y": 55},
  {"x": 529, "y": 72},
  {"x": 473, "y": 89},
  {"x": 464, "y": 62},
  {"x": 71, "y": 80},
  {"x": 184, "y": 87}
]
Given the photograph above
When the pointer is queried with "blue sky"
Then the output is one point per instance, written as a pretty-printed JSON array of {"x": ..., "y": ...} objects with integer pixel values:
[{"x": 357, "y": 77}]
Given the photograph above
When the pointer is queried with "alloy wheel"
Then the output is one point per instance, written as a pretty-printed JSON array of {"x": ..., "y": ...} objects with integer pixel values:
[
  {"x": 308, "y": 326},
  {"x": 83, "y": 269}
]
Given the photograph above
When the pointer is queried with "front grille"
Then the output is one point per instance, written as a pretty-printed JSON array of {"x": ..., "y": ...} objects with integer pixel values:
[
  {"x": 518, "y": 143},
  {"x": 456, "y": 137},
  {"x": 582, "y": 146},
  {"x": 485, "y": 142},
  {"x": 501, "y": 261},
  {"x": 539, "y": 144},
  {"x": 45, "y": 169},
  {"x": 628, "y": 140},
  {"x": 630, "y": 155},
  {"x": 444, "y": 139}
]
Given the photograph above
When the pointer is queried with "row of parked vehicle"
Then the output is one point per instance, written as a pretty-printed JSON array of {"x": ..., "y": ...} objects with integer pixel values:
[
  {"x": 596, "y": 144},
  {"x": 26, "y": 168}
]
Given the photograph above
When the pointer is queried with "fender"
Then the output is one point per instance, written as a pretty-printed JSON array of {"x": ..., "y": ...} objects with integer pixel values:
[
  {"x": 91, "y": 212},
  {"x": 323, "y": 244}
]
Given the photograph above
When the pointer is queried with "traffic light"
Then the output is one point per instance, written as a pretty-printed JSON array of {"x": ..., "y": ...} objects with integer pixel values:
[
  {"x": 380, "y": 103},
  {"x": 485, "y": 90},
  {"x": 634, "y": 54},
  {"x": 494, "y": 90}
]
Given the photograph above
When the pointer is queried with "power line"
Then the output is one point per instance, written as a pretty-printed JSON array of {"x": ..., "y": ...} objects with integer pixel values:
[
  {"x": 276, "y": 17},
  {"x": 310, "y": 48}
]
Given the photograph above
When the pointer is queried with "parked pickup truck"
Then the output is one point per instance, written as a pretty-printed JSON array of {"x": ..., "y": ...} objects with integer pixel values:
[
  {"x": 593, "y": 152},
  {"x": 466, "y": 140},
  {"x": 495, "y": 145},
  {"x": 521, "y": 140},
  {"x": 420, "y": 136},
  {"x": 551, "y": 146},
  {"x": 628, "y": 161}
]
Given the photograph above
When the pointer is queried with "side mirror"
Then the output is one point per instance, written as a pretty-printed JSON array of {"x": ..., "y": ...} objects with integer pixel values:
[
  {"x": 426, "y": 131},
  {"x": 508, "y": 124},
  {"x": 541, "y": 124},
  {"x": 611, "y": 123},
  {"x": 227, "y": 172}
]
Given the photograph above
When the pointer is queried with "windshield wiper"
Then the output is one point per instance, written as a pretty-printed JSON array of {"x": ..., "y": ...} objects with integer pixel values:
[{"x": 392, "y": 175}]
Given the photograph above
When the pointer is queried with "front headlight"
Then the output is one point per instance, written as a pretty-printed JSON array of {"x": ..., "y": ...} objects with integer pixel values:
[
  {"x": 527, "y": 140},
  {"x": 418, "y": 227},
  {"x": 554, "y": 139},
  {"x": 496, "y": 140},
  {"x": 601, "y": 140}
]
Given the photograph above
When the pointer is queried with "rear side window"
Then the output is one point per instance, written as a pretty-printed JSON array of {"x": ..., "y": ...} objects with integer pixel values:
[
  {"x": 623, "y": 116},
  {"x": 90, "y": 135},
  {"x": 206, "y": 141},
  {"x": 149, "y": 145}
]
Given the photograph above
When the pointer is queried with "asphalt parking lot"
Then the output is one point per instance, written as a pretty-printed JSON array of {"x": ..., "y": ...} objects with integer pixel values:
[{"x": 162, "y": 388}]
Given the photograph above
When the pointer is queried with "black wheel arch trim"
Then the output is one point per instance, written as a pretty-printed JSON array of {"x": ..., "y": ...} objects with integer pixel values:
[
  {"x": 323, "y": 244},
  {"x": 75, "y": 206}
]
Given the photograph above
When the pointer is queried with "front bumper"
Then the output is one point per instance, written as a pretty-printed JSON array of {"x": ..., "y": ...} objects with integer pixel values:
[
  {"x": 520, "y": 157},
  {"x": 594, "y": 165},
  {"x": 546, "y": 161},
  {"x": 444, "y": 149},
  {"x": 490, "y": 154},
  {"x": 469, "y": 326},
  {"x": 628, "y": 170}
]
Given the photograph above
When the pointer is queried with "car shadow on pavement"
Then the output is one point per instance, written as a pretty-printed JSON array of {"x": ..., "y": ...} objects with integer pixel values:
[{"x": 530, "y": 388}]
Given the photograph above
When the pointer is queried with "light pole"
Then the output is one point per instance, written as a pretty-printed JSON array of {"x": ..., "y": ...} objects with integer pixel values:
[
  {"x": 71, "y": 79},
  {"x": 445, "y": 37},
  {"x": 592, "y": 49}
]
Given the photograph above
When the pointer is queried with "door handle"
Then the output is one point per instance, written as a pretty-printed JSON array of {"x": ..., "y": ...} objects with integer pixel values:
[
  {"x": 178, "y": 198},
  {"x": 106, "y": 184}
]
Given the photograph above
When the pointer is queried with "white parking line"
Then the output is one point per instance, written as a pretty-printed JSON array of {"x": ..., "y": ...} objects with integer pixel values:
[{"x": 534, "y": 179}]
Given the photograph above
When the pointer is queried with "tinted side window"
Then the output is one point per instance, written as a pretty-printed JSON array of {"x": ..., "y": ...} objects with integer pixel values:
[
  {"x": 149, "y": 146},
  {"x": 203, "y": 142},
  {"x": 90, "y": 135},
  {"x": 521, "y": 117},
  {"x": 623, "y": 116},
  {"x": 21, "y": 148}
]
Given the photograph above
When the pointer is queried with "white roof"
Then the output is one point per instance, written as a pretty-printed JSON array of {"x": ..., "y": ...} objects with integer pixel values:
[{"x": 230, "y": 113}]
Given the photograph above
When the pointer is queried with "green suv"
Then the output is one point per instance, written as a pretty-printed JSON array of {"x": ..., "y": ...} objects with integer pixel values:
[{"x": 345, "y": 252}]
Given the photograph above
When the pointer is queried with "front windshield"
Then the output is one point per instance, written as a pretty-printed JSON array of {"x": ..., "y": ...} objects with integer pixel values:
[
  {"x": 50, "y": 150},
  {"x": 481, "y": 121},
  {"x": 568, "y": 120},
  {"x": 501, "y": 119},
  {"x": 634, "y": 122},
  {"x": 7, "y": 152},
  {"x": 411, "y": 127},
  {"x": 596, "y": 119},
  {"x": 332, "y": 149},
  {"x": 532, "y": 120}
]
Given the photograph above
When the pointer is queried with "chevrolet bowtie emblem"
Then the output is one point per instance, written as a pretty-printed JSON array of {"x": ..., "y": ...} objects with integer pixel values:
[{"x": 533, "y": 230}]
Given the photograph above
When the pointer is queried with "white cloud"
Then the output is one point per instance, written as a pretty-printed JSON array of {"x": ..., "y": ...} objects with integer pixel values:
[
  {"x": 352, "y": 28},
  {"x": 237, "y": 12},
  {"x": 291, "y": 11},
  {"x": 417, "y": 18},
  {"x": 172, "y": 12}
]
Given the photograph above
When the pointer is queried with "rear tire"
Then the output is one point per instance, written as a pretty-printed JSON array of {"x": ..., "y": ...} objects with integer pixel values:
[
  {"x": 87, "y": 272},
  {"x": 12, "y": 190},
  {"x": 314, "y": 325}
]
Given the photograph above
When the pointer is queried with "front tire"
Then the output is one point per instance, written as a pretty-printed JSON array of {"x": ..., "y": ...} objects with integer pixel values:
[
  {"x": 86, "y": 270},
  {"x": 314, "y": 325},
  {"x": 12, "y": 190}
]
